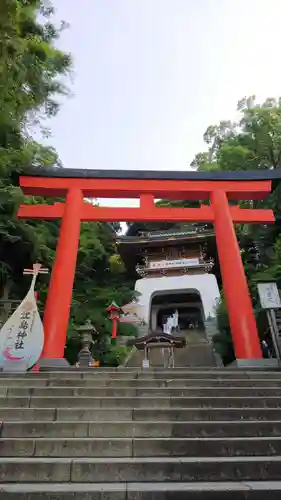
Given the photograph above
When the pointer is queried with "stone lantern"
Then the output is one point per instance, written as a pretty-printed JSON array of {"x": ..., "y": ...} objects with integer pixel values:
[{"x": 86, "y": 331}]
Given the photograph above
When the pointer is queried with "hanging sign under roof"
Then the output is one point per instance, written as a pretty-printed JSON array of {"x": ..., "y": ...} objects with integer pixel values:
[{"x": 166, "y": 264}]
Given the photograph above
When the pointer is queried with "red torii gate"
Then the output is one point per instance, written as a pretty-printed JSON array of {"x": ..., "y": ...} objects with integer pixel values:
[{"x": 75, "y": 185}]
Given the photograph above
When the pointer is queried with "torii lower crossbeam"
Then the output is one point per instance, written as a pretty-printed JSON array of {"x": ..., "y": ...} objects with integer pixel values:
[
  {"x": 148, "y": 186},
  {"x": 90, "y": 213}
]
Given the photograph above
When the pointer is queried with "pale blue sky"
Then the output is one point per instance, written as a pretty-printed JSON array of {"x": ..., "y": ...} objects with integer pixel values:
[{"x": 151, "y": 75}]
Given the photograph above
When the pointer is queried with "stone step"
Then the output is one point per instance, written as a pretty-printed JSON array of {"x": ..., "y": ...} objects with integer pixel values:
[
  {"x": 140, "y": 402},
  {"x": 248, "y": 490},
  {"x": 139, "y": 392},
  {"x": 18, "y": 414},
  {"x": 196, "y": 354},
  {"x": 139, "y": 414},
  {"x": 145, "y": 383},
  {"x": 148, "y": 469},
  {"x": 212, "y": 375},
  {"x": 152, "y": 431},
  {"x": 140, "y": 447},
  {"x": 141, "y": 429},
  {"x": 97, "y": 374},
  {"x": 200, "y": 414}
]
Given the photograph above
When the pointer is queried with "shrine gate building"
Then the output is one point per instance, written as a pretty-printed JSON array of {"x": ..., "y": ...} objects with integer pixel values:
[{"x": 213, "y": 190}]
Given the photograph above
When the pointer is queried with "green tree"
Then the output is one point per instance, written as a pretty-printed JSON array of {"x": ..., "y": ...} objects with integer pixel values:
[
  {"x": 32, "y": 70},
  {"x": 251, "y": 143},
  {"x": 30, "y": 67}
]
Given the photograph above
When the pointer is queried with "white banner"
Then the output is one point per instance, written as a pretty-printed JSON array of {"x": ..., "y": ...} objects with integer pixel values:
[
  {"x": 22, "y": 336},
  {"x": 173, "y": 263}
]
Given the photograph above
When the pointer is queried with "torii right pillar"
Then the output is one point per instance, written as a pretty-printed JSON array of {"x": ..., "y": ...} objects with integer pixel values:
[{"x": 240, "y": 310}]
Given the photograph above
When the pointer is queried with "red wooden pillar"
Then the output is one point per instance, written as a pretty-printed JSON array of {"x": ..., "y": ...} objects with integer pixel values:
[
  {"x": 114, "y": 328},
  {"x": 61, "y": 284},
  {"x": 240, "y": 310}
]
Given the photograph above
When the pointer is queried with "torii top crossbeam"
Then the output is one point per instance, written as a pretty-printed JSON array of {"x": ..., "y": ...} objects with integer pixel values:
[
  {"x": 148, "y": 186},
  {"x": 75, "y": 185}
]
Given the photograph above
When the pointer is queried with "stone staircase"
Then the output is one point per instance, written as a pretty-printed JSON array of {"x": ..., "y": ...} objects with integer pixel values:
[
  {"x": 195, "y": 355},
  {"x": 130, "y": 435},
  {"x": 192, "y": 355}
]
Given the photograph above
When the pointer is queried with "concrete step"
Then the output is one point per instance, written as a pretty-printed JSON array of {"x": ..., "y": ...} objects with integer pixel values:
[
  {"x": 201, "y": 354},
  {"x": 227, "y": 375},
  {"x": 140, "y": 402},
  {"x": 139, "y": 414},
  {"x": 141, "y": 429},
  {"x": 97, "y": 374},
  {"x": 140, "y": 447},
  {"x": 144, "y": 383},
  {"x": 139, "y": 392},
  {"x": 196, "y": 355},
  {"x": 202, "y": 414},
  {"x": 158, "y": 433},
  {"x": 248, "y": 490},
  {"x": 22, "y": 414},
  {"x": 149, "y": 469}
]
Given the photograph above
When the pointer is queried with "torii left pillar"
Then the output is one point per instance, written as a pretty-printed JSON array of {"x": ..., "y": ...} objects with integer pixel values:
[{"x": 61, "y": 284}]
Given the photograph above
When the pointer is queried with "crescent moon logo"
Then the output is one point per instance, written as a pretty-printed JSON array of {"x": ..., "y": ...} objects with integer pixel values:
[{"x": 9, "y": 356}]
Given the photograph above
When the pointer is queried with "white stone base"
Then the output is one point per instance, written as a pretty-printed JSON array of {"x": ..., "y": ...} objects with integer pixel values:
[{"x": 205, "y": 285}]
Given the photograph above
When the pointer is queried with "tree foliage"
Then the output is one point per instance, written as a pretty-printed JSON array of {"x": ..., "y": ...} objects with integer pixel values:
[
  {"x": 32, "y": 72},
  {"x": 30, "y": 67},
  {"x": 251, "y": 143}
]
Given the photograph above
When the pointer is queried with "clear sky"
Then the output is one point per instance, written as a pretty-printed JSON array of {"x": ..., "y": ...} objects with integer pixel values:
[{"x": 151, "y": 75}]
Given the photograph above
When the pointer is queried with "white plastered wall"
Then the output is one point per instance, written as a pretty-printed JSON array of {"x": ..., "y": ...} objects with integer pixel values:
[{"x": 204, "y": 284}]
